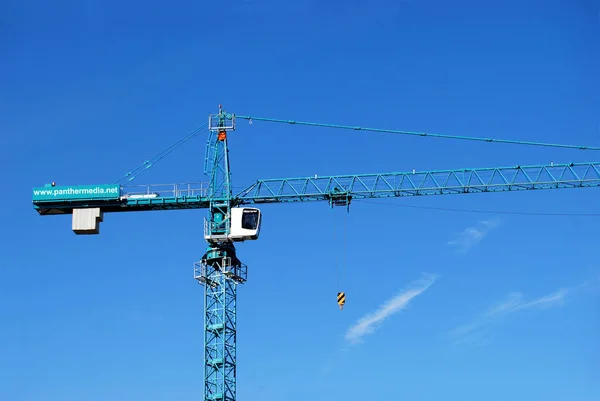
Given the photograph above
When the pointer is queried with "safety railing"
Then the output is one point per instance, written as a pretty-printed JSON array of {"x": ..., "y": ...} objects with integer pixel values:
[{"x": 187, "y": 190}]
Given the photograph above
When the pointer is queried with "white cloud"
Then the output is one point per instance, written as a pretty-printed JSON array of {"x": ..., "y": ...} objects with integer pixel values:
[
  {"x": 469, "y": 333},
  {"x": 512, "y": 304},
  {"x": 465, "y": 329},
  {"x": 472, "y": 235},
  {"x": 514, "y": 299},
  {"x": 370, "y": 322},
  {"x": 515, "y": 302}
]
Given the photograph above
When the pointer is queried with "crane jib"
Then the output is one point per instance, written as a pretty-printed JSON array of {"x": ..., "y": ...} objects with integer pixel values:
[{"x": 53, "y": 199}]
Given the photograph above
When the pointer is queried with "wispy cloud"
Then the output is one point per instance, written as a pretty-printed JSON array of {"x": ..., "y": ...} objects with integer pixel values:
[
  {"x": 370, "y": 322},
  {"x": 472, "y": 235},
  {"x": 514, "y": 302}
]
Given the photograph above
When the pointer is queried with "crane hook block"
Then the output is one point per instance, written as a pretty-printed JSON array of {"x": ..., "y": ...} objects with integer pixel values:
[{"x": 341, "y": 299}]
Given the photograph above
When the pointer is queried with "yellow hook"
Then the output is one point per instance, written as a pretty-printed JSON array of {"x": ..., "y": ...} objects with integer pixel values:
[{"x": 341, "y": 299}]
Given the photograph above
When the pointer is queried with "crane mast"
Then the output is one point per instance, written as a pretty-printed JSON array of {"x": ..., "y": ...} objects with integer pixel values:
[{"x": 220, "y": 271}]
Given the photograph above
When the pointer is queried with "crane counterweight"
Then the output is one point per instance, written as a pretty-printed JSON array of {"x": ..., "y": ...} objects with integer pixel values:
[{"x": 87, "y": 221}]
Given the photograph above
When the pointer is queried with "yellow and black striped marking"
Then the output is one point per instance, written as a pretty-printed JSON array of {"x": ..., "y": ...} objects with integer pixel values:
[{"x": 341, "y": 299}]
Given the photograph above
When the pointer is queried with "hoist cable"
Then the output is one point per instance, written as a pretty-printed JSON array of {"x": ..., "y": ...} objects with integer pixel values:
[
  {"x": 133, "y": 174},
  {"x": 337, "y": 268},
  {"x": 344, "y": 266},
  {"x": 422, "y": 134}
]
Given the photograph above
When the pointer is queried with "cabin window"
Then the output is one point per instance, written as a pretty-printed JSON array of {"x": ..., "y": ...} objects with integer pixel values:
[{"x": 250, "y": 219}]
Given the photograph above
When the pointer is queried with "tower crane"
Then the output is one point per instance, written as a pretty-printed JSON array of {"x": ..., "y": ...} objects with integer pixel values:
[{"x": 234, "y": 218}]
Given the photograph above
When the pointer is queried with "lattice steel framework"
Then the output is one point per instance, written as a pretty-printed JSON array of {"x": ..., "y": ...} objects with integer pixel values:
[
  {"x": 220, "y": 278},
  {"x": 219, "y": 270},
  {"x": 416, "y": 183}
]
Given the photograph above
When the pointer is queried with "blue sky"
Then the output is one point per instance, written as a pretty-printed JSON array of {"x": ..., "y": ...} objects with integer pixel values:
[{"x": 441, "y": 305}]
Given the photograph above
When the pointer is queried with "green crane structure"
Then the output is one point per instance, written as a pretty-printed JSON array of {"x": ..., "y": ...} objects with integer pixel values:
[{"x": 235, "y": 217}]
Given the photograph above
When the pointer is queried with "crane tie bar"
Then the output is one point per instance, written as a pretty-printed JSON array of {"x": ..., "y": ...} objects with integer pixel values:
[{"x": 423, "y": 134}]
